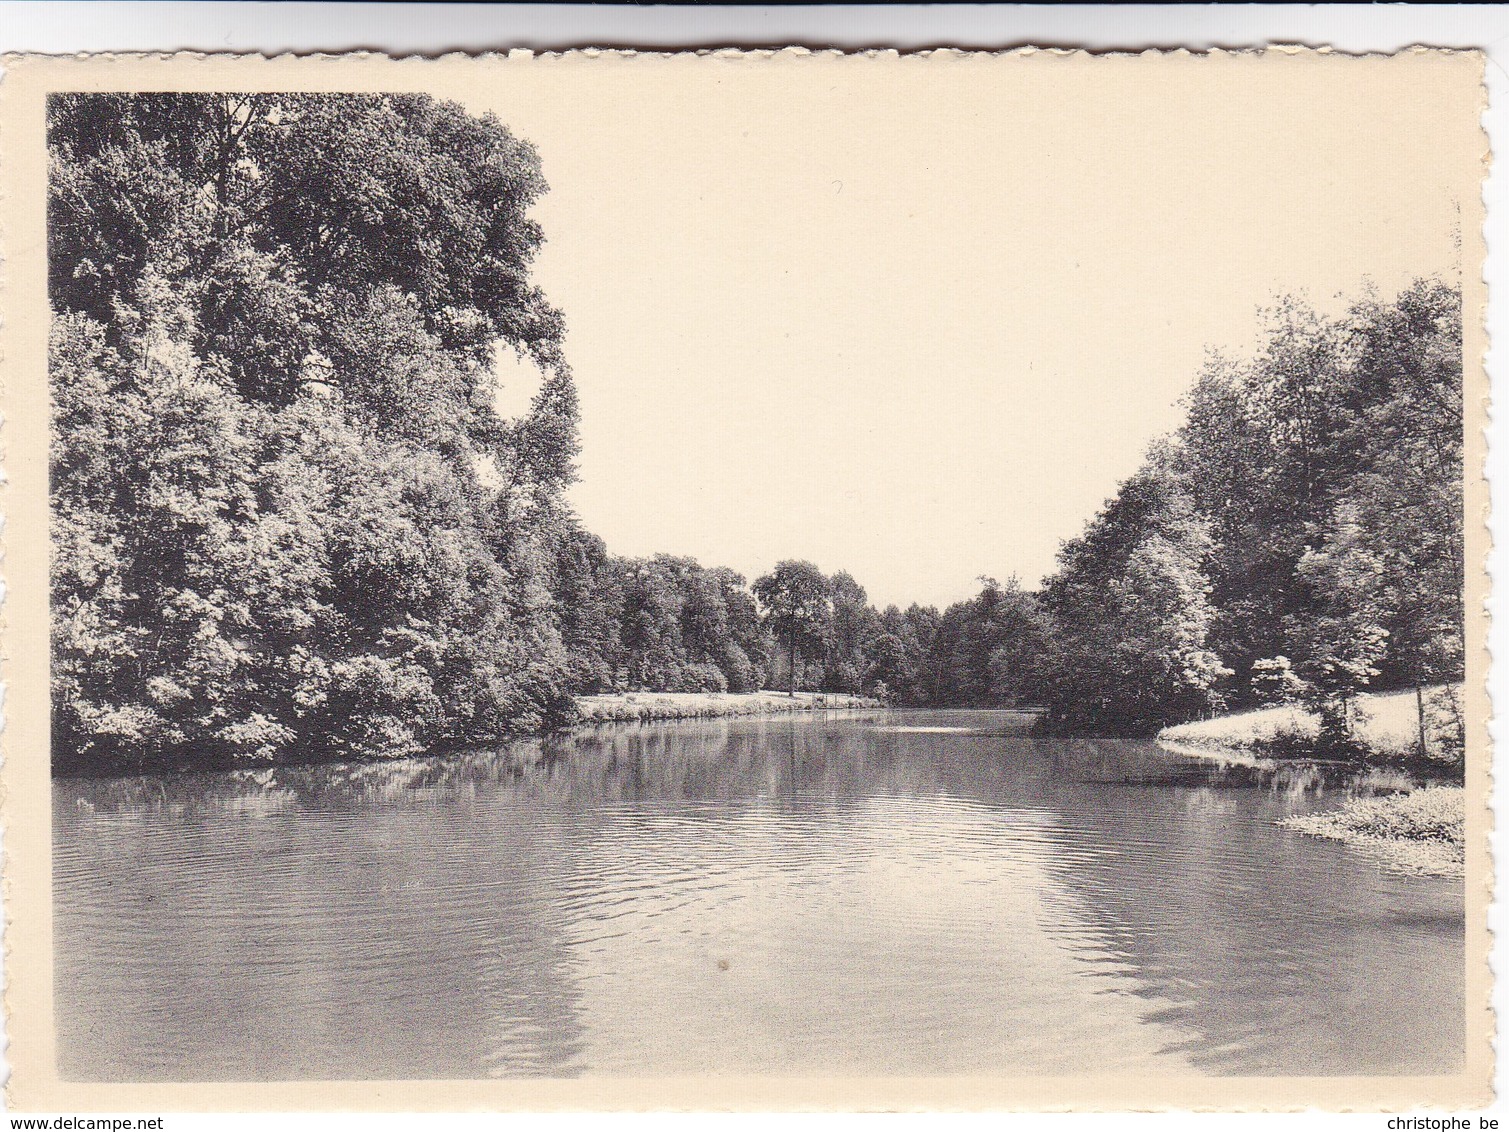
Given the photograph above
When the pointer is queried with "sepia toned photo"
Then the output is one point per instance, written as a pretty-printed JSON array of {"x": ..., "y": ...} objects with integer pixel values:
[{"x": 726, "y": 579}]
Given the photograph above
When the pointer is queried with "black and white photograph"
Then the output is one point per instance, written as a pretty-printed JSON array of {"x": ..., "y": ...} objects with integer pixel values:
[{"x": 600, "y": 567}]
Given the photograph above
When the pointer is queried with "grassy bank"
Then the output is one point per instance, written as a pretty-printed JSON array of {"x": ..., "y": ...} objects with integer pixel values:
[
  {"x": 643, "y": 707},
  {"x": 1387, "y": 728},
  {"x": 1419, "y": 832}
]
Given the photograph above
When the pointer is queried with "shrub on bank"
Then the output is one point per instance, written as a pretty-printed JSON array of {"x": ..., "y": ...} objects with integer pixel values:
[
  {"x": 1435, "y": 813},
  {"x": 1419, "y": 832}
]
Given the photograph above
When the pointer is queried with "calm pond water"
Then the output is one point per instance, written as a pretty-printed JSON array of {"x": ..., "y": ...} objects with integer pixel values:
[{"x": 891, "y": 893}]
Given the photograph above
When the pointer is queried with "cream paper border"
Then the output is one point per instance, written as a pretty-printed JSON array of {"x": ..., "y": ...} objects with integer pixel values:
[{"x": 35, "y": 1086}]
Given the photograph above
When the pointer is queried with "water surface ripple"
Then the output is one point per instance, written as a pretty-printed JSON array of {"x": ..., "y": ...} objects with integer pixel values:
[{"x": 899, "y": 893}]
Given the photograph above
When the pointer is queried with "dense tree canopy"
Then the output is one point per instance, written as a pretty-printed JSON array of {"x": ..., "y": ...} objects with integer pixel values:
[
  {"x": 1300, "y": 536},
  {"x": 288, "y": 517},
  {"x": 1130, "y": 613}
]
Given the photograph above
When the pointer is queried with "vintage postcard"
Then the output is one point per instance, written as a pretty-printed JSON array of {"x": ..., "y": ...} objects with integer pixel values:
[{"x": 745, "y": 579}]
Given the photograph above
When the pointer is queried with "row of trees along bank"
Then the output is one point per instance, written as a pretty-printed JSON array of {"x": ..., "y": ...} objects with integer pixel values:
[
  {"x": 1299, "y": 539},
  {"x": 289, "y": 519}
]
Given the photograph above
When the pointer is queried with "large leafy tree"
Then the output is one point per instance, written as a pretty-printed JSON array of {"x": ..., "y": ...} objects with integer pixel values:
[
  {"x": 989, "y": 650},
  {"x": 1404, "y": 427},
  {"x": 290, "y": 521},
  {"x": 852, "y": 626},
  {"x": 1131, "y": 614},
  {"x": 901, "y": 662},
  {"x": 282, "y": 208},
  {"x": 798, "y": 602},
  {"x": 1257, "y": 456}
]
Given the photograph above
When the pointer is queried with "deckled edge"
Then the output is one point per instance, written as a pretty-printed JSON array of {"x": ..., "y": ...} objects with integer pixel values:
[
  {"x": 1489, "y": 362},
  {"x": 587, "y": 51},
  {"x": 6, "y": 383}
]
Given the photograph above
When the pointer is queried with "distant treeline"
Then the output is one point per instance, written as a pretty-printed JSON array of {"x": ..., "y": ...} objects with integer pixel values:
[
  {"x": 288, "y": 520},
  {"x": 667, "y": 624}
]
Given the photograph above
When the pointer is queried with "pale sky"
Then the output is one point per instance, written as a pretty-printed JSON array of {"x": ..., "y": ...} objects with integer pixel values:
[{"x": 917, "y": 319}]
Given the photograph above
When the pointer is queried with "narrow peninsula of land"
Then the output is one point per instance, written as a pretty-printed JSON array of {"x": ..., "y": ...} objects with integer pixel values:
[
  {"x": 1394, "y": 727},
  {"x": 646, "y": 707}
]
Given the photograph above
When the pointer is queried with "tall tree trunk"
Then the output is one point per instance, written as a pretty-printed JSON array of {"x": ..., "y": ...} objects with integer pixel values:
[
  {"x": 791, "y": 651},
  {"x": 1420, "y": 716}
]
